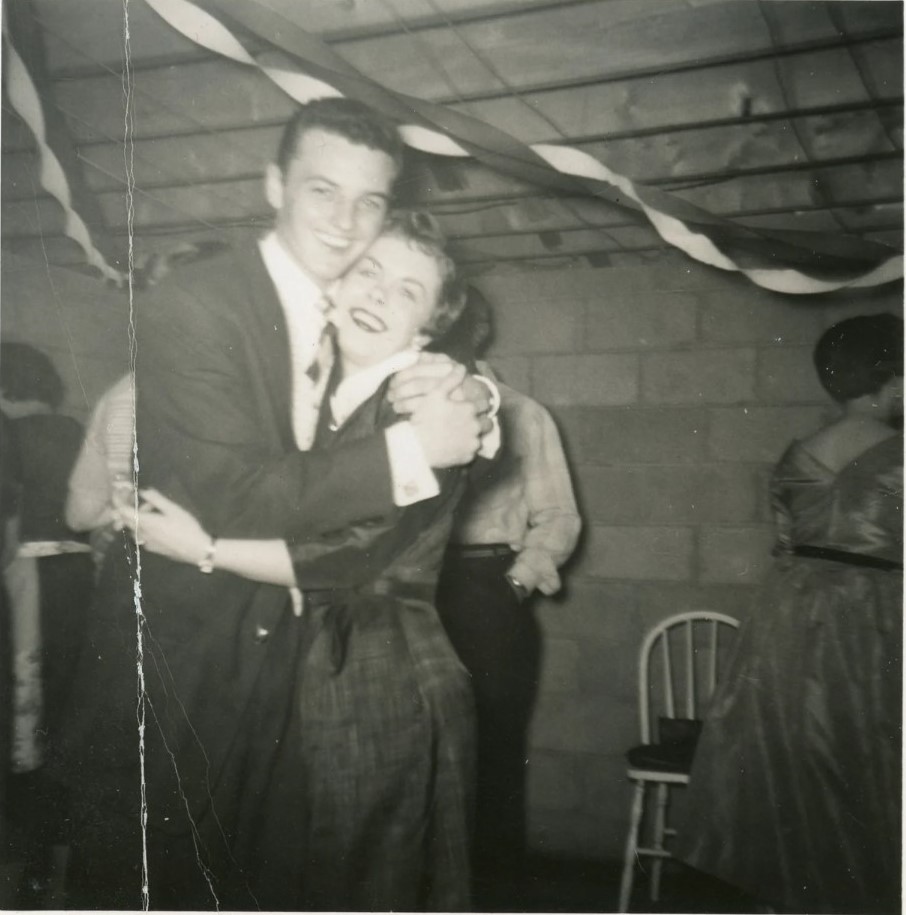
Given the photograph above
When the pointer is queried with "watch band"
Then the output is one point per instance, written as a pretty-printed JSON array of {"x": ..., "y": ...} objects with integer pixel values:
[
  {"x": 206, "y": 563},
  {"x": 521, "y": 591}
]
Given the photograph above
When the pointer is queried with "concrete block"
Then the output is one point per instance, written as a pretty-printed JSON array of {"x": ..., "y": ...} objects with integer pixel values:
[
  {"x": 653, "y": 319},
  {"x": 657, "y": 600},
  {"x": 645, "y": 494},
  {"x": 606, "y": 790},
  {"x": 689, "y": 275},
  {"x": 608, "y": 671},
  {"x": 787, "y": 375},
  {"x": 638, "y": 553},
  {"x": 514, "y": 371},
  {"x": 526, "y": 320},
  {"x": 738, "y": 555},
  {"x": 764, "y": 512},
  {"x": 755, "y": 315},
  {"x": 72, "y": 312},
  {"x": 559, "y": 666},
  {"x": 576, "y": 834},
  {"x": 580, "y": 284},
  {"x": 760, "y": 433},
  {"x": 869, "y": 302},
  {"x": 638, "y": 435},
  {"x": 587, "y": 609},
  {"x": 569, "y": 723},
  {"x": 699, "y": 376},
  {"x": 610, "y": 380},
  {"x": 554, "y": 781}
]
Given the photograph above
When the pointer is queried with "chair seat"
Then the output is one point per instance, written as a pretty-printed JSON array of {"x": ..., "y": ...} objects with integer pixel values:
[
  {"x": 662, "y": 757},
  {"x": 657, "y": 775}
]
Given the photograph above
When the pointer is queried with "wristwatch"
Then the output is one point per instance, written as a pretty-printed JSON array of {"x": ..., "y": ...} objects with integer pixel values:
[
  {"x": 518, "y": 587},
  {"x": 206, "y": 563}
]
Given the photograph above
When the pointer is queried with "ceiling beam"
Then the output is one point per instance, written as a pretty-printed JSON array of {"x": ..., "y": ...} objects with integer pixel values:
[
  {"x": 258, "y": 220},
  {"x": 188, "y": 60}
]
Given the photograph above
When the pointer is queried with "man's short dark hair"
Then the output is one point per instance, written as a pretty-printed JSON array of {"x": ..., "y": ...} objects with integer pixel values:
[
  {"x": 860, "y": 355},
  {"x": 345, "y": 117},
  {"x": 27, "y": 374}
]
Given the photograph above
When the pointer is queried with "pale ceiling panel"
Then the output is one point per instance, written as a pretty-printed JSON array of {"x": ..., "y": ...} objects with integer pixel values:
[
  {"x": 205, "y": 203},
  {"x": 851, "y": 133},
  {"x": 682, "y": 153},
  {"x": 866, "y": 181},
  {"x": 857, "y": 15},
  {"x": 36, "y": 216},
  {"x": 184, "y": 159},
  {"x": 188, "y": 98},
  {"x": 79, "y": 33},
  {"x": 330, "y": 17},
  {"x": 699, "y": 96},
  {"x": 881, "y": 62}
]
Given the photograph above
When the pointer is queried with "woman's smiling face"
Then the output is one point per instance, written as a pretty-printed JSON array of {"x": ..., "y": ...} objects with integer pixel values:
[{"x": 384, "y": 300}]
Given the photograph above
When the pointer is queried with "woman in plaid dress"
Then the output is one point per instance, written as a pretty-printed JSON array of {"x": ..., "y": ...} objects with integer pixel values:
[{"x": 363, "y": 799}]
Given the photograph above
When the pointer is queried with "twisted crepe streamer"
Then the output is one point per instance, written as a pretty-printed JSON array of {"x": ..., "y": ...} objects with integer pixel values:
[
  {"x": 24, "y": 98},
  {"x": 566, "y": 165}
]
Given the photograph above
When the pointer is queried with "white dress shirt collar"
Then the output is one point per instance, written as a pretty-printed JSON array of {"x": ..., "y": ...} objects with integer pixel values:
[
  {"x": 295, "y": 287},
  {"x": 353, "y": 391}
]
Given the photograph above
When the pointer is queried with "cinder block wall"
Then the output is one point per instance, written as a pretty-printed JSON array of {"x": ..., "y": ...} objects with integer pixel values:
[
  {"x": 675, "y": 388},
  {"x": 77, "y": 320}
]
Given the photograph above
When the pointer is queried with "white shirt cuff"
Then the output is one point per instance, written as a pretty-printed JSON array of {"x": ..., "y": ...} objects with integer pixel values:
[
  {"x": 495, "y": 395},
  {"x": 490, "y": 441},
  {"x": 412, "y": 478}
]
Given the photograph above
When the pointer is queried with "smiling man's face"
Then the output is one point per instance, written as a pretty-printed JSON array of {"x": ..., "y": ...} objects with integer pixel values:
[
  {"x": 330, "y": 202},
  {"x": 384, "y": 300}
]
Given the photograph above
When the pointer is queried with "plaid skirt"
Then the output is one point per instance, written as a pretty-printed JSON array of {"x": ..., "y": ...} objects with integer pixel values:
[{"x": 364, "y": 800}]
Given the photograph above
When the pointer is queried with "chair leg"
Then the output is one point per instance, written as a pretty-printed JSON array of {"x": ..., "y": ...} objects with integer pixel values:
[
  {"x": 632, "y": 842},
  {"x": 660, "y": 828}
]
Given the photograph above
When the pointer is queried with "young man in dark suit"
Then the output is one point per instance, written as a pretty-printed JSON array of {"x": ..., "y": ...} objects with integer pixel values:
[{"x": 230, "y": 367}]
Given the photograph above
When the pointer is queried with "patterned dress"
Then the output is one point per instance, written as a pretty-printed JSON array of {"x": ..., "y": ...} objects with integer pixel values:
[
  {"x": 795, "y": 789},
  {"x": 365, "y": 800}
]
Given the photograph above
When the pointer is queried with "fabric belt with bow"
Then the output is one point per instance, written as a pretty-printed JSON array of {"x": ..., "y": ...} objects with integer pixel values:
[{"x": 337, "y": 609}]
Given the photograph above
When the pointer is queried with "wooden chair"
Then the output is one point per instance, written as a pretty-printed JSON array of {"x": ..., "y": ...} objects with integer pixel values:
[{"x": 678, "y": 666}]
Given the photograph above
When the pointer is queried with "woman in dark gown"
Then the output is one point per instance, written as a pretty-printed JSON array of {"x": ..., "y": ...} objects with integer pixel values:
[
  {"x": 364, "y": 800},
  {"x": 795, "y": 789}
]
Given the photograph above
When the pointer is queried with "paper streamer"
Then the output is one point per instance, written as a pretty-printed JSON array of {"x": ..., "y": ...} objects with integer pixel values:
[
  {"x": 701, "y": 235},
  {"x": 24, "y": 98}
]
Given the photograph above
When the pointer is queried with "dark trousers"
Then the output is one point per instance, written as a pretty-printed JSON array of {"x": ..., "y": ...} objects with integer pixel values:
[
  {"x": 497, "y": 639},
  {"x": 66, "y": 587}
]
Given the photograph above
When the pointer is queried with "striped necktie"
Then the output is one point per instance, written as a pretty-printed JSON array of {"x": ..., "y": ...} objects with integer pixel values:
[
  {"x": 308, "y": 387},
  {"x": 323, "y": 361}
]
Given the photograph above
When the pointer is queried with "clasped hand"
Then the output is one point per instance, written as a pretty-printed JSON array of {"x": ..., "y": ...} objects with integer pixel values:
[
  {"x": 447, "y": 407},
  {"x": 160, "y": 525}
]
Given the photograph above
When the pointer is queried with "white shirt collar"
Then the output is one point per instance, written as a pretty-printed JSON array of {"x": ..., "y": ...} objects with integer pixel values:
[
  {"x": 296, "y": 289},
  {"x": 353, "y": 391}
]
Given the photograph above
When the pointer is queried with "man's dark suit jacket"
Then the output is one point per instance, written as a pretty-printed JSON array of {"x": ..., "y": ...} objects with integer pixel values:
[{"x": 214, "y": 433}]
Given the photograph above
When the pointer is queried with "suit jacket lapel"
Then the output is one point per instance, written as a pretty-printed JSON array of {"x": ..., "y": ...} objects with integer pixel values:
[{"x": 269, "y": 338}]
